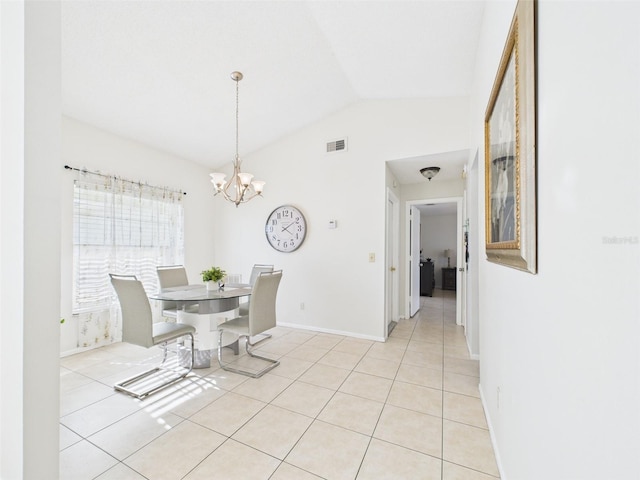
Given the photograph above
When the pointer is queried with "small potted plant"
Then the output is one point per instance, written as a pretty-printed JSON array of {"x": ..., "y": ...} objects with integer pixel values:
[{"x": 212, "y": 278}]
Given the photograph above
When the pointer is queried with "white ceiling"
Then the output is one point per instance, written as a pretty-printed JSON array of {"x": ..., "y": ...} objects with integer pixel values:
[
  {"x": 158, "y": 71},
  {"x": 407, "y": 170}
]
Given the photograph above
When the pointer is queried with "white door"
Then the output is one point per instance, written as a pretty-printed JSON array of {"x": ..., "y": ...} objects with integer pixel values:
[
  {"x": 460, "y": 285},
  {"x": 392, "y": 259},
  {"x": 472, "y": 266},
  {"x": 414, "y": 260},
  {"x": 461, "y": 266}
]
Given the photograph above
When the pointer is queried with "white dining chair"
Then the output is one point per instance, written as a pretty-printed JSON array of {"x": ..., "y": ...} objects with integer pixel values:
[
  {"x": 261, "y": 317},
  {"x": 138, "y": 328},
  {"x": 257, "y": 269},
  {"x": 170, "y": 276}
]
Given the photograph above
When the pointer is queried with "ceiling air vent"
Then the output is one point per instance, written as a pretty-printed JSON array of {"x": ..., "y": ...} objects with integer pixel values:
[{"x": 337, "y": 145}]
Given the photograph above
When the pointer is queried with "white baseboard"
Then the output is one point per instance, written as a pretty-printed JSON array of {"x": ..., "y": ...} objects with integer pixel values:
[
  {"x": 78, "y": 350},
  {"x": 473, "y": 356},
  {"x": 290, "y": 325},
  {"x": 334, "y": 332},
  {"x": 494, "y": 443}
]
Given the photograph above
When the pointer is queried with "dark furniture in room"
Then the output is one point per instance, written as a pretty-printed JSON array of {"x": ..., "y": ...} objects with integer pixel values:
[
  {"x": 427, "y": 279},
  {"x": 448, "y": 278}
]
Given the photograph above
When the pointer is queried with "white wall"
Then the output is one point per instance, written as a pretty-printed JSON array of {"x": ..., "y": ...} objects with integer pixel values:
[
  {"x": 562, "y": 345},
  {"x": 439, "y": 232},
  {"x": 331, "y": 273},
  {"x": 84, "y": 146},
  {"x": 30, "y": 242},
  {"x": 12, "y": 240},
  {"x": 42, "y": 240}
]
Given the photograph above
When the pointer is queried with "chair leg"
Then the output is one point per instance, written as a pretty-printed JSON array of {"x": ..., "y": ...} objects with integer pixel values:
[
  {"x": 123, "y": 385},
  {"x": 265, "y": 336},
  {"x": 272, "y": 363}
]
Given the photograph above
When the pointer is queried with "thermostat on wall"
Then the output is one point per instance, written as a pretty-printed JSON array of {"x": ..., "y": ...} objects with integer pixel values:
[{"x": 333, "y": 223}]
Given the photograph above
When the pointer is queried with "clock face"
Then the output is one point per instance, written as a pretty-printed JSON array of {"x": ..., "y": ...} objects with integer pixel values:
[{"x": 285, "y": 228}]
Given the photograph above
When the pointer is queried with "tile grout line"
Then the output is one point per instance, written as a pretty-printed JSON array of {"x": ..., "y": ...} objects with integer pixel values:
[
  {"x": 384, "y": 404},
  {"x": 414, "y": 330},
  {"x": 442, "y": 396}
]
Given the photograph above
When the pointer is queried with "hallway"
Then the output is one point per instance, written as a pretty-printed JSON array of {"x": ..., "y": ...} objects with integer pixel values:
[{"x": 336, "y": 408}]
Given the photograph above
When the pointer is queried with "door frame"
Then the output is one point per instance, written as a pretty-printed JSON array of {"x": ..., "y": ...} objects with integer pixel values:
[
  {"x": 459, "y": 250},
  {"x": 392, "y": 260},
  {"x": 462, "y": 263},
  {"x": 414, "y": 258}
]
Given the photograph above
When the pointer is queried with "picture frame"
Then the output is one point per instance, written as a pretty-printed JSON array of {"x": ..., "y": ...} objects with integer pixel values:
[{"x": 510, "y": 149}]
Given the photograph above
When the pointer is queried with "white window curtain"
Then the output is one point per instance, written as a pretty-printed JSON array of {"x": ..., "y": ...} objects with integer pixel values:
[{"x": 120, "y": 227}]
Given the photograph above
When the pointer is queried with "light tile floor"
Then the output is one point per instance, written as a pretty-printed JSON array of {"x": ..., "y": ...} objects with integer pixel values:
[{"x": 336, "y": 408}]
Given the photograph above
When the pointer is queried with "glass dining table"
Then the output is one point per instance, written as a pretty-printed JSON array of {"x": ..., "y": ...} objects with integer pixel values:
[{"x": 205, "y": 310}]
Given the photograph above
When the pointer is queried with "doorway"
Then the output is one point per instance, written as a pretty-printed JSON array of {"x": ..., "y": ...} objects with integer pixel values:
[{"x": 439, "y": 257}]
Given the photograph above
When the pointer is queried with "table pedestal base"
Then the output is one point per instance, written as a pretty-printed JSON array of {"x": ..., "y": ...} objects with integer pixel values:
[{"x": 206, "y": 336}]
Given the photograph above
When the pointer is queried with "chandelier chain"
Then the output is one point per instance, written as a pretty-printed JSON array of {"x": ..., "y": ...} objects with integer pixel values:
[{"x": 237, "y": 114}]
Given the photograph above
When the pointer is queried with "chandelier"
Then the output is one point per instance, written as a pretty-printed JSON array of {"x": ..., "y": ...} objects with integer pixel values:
[{"x": 240, "y": 188}]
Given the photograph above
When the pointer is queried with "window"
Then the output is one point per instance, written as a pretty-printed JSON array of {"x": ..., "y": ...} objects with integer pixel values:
[{"x": 119, "y": 227}]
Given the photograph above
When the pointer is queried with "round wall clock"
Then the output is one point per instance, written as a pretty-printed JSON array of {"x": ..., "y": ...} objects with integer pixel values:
[{"x": 285, "y": 228}]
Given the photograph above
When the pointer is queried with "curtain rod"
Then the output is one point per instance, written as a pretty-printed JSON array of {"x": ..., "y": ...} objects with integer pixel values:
[{"x": 85, "y": 171}]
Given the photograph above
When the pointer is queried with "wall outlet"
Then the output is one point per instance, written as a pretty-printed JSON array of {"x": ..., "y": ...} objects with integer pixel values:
[
  {"x": 301, "y": 305},
  {"x": 372, "y": 257}
]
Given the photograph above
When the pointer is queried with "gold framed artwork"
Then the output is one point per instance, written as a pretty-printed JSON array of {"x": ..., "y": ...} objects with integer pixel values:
[{"x": 510, "y": 149}]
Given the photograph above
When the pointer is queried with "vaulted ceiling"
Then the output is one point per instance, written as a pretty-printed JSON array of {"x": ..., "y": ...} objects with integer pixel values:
[{"x": 159, "y": 71}]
